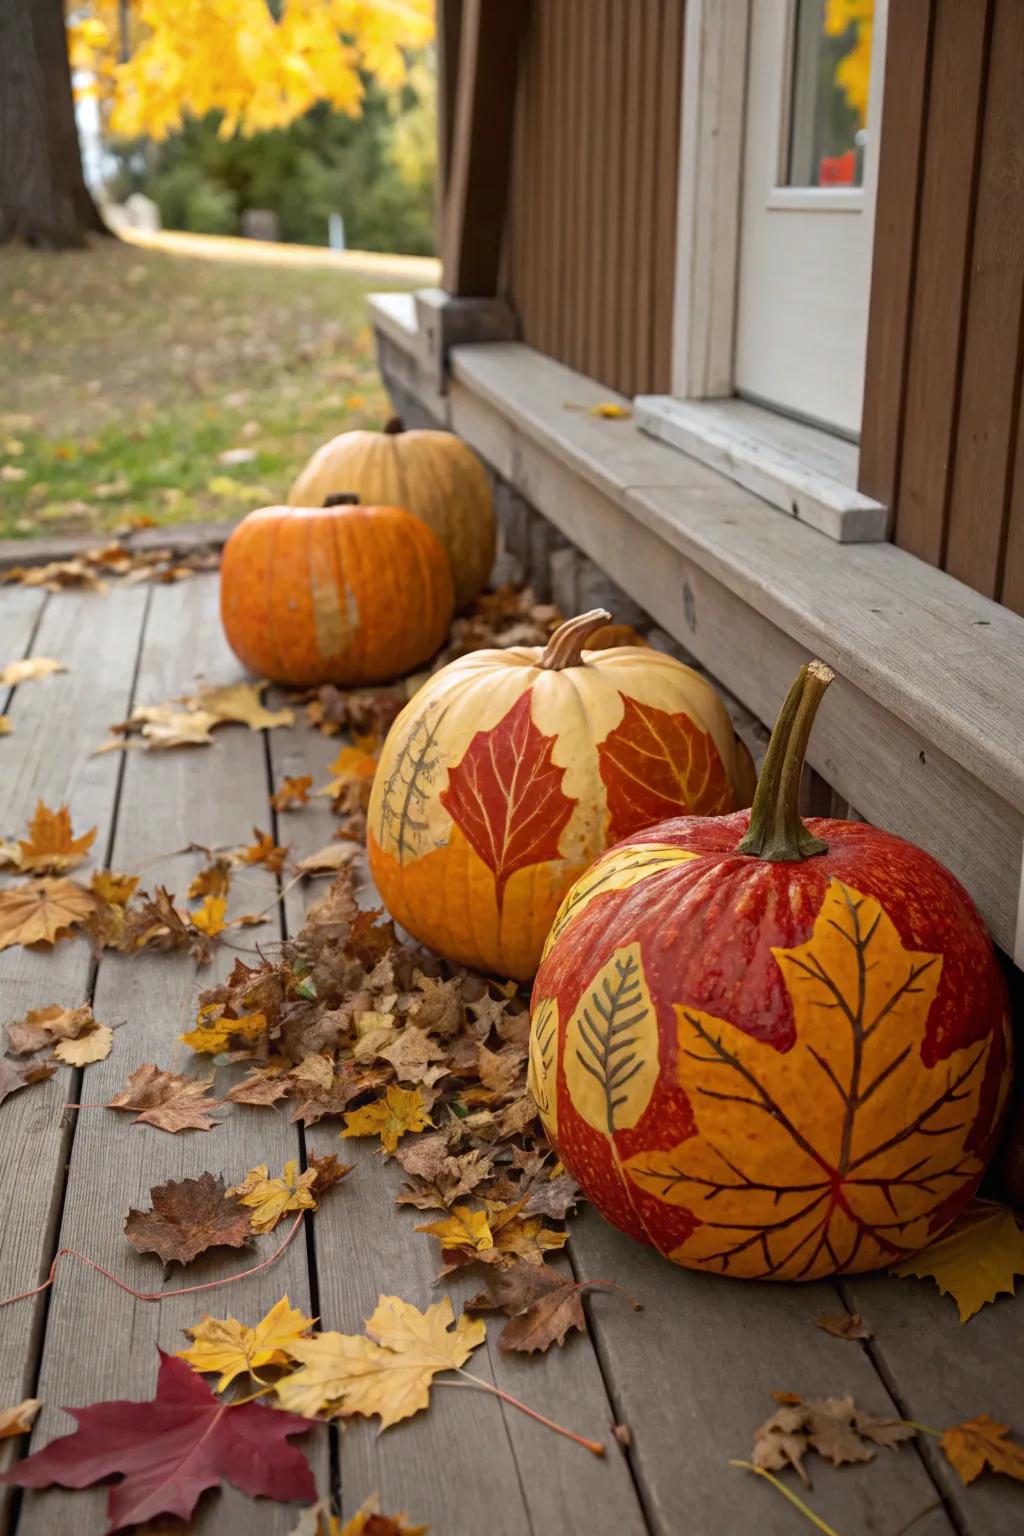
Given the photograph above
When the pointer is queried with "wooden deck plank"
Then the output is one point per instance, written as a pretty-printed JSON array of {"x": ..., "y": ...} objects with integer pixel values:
[
  {"x": 945, "y": 1372},
  {"x": 524, "y": 1477},
  {"x": 100, "y": 1342},
  {"x": 57, "y": 722},
  {"x": 693, "y": 1377},
  {"x": 20, "y": 608}
]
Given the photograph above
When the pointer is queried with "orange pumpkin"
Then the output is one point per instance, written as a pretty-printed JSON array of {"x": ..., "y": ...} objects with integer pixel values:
[
  {"x": 772, "y": 1050},
  {"x": 511, "y": 770},
  {"x": 433, "y": 474},
  {"x": 341, "y": 594}
]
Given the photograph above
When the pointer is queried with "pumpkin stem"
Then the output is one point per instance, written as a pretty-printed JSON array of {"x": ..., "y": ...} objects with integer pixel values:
[
  {"x": 565, "y": 648},
  {"x": 341, "y": 499},
  {"x": 394, "y": 425},
  {"x": 776, "y": 831}
]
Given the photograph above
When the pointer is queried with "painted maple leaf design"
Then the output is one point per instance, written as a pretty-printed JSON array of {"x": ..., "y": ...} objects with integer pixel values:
[
  {"x": 506, "y": 796},
  {"x": 834, "y": 1154},
  {"x": 656, "y": 764}
]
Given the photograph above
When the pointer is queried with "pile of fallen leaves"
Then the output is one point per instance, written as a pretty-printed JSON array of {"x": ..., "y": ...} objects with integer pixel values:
[{"x": 91, "y": 570}]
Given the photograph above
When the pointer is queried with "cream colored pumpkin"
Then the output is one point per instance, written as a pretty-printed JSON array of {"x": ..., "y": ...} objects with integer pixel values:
[
  {"x": 511, "y": 771},
  {"x": 432, "y": 474}
]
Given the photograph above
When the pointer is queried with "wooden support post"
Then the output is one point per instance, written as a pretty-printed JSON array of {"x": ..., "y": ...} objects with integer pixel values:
[{"x": 479, "y": 155}]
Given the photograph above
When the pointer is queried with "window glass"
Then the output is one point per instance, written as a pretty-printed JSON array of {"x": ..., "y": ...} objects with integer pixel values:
[{"x": 831, "y": 73}]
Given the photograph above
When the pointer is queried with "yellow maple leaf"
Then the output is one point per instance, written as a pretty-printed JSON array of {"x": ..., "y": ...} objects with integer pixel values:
[
  {"x": 50, "y": 847},
  {"x": 43, "y": 911},
  {"x": 387, "y": 1373},
  {"x": 5, "y": 725},
  {"x": 353, "y": 765},
  {"x": 463, "y": 1228},
  {"x": 836, "y": 1153},
  {"x": 293, "y": 792},
  {"x": 113, "y": 889},
  {"x": 524, "y": 1237},
  {"x": 977, "y": 1260},
  {"x": 263, "y": 851},
  {"x": 390, "y": 1117},
  {"x": 228, "y": 1347},
  {"x": 270, "y": 1199},
  {"x": 209, "y": 918},
  {"x": 213, "y": 880},
  {"x": 981, "y": 1443},
  {"x": 217, "y": 1035},
  {"x": 368, "y": 1518},
  {"x": 18, "y": 1420}
]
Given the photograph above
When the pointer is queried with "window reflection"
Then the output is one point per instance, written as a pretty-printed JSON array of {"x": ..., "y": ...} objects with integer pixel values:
[{"x": 829, "y": 96}]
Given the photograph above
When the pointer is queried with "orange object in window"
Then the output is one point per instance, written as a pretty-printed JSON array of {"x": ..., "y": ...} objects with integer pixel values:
[{"x": 837, "y": 170}]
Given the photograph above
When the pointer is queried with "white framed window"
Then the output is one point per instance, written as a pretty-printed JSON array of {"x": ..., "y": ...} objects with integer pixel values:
[{"x": 781, "y": 119}]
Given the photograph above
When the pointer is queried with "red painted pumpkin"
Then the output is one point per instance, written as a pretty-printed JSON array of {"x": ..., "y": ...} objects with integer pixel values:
[
  {"x": 339, "y": 594},
  {"x": 767, "y": 1049},
  {"x": 511, "y": 770}
]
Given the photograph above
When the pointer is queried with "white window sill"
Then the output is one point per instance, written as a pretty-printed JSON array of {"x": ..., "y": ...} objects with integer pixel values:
[{"x": 803, "y": 471}]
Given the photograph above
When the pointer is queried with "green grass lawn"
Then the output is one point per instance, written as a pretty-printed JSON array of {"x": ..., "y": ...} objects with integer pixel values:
[{"x": 139, "y": 384}]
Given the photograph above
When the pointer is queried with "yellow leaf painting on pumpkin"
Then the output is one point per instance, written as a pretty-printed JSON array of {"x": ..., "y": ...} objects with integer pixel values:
[
  {"x": 611, "y": 1045},
  {"x": 541, "y": 1076},
  {"x": 617, "y": 870},
  {"x": 832, "y": 1155}
]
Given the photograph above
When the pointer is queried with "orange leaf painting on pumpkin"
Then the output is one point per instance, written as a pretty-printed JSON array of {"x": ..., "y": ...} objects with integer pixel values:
[
  {"x": 505, "y": 795},
  {"x": 765, "y": 1062},
  {"x": 655, "y": 763},
  {"x": 510, "y": 771}
]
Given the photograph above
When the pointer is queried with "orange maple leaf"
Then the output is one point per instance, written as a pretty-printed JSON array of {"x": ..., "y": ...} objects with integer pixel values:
[
  {"x": 837, "y": 1153},
  {"x": 656, "y": 764},
  {"x": 50, "y": 847},
  {"x": 264, "y": 851},
  {"x": 506, "y": 795}
]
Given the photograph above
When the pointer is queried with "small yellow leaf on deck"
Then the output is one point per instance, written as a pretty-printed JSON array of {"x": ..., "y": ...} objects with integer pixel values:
[{"x": 977, "y": 1260}]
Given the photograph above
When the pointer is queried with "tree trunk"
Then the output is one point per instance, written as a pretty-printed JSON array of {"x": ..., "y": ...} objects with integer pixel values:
[{"x": 43, "y": 196}]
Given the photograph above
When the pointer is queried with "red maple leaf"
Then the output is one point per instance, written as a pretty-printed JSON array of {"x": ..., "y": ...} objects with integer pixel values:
[
  {"x": 172, "y": 1448},
  {"x": 506, "y": 795},
  {"x": 655, "y": 764}
]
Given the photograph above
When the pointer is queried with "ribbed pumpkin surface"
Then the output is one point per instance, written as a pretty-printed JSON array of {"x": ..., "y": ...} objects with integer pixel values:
[
  {"x": 345, "y": 595},
  {"x": 433, "y": 474}
]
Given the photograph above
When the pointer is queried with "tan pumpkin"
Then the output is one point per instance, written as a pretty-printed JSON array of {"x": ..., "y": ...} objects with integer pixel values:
[
  {"x": 434, "y": 474},
  {"x": 510, "y": 771},
  {"x": 338, "y": 594}
]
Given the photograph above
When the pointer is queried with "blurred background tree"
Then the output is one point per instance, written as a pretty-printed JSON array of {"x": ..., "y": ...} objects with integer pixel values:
[{"x": 220, "y": 105}]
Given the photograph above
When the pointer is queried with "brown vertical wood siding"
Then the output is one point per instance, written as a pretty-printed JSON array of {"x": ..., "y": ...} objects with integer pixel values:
[
  {"x": 941, "y": 440},
  {"x": 591, "y": 233}
]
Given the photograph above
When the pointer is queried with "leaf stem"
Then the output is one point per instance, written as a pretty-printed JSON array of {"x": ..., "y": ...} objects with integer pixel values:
[
  {"x": 594, "y": 1446},
  {"x": 787, "y": 1493},
  {"x": 122, "y": 1285},
  {"x": 923, "y": 1429}
]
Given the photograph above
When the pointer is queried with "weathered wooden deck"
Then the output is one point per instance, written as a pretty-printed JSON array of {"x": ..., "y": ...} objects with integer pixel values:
[{"x": 690, "y": 1375}]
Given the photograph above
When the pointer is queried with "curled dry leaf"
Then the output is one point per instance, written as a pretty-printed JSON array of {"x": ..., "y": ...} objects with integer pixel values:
[
  {"x": 294, "y": 792},
  {"x": 213, "y": 880},
  {"x": 224, "y": 1346},
  {"x": 43, "y": 1027},
  {"x": 543, "y": 1305},
  {"x": 209, "y": 918},
  {"x": 29, "y": 670},
  {"x": 15, "y": 1075},
  {"x": 43, "y": 911},
  {"x": 5, "y": 725},
  {"x": 388, "y": 1372},
  {"x": 259, "y": 1088},
  {"x": 977, "y": 1259},
  {"x": 320, "y": 1520},
  {"x": 981, "y": 1443},
  {"x": 833, "y": 1426},
  {"x": 169, "y": 1450},
  {"x": 391, "y": 1117},
  {"x": 847, "y": 1325},
  {"x": 263, "y": 850},
  {"x": 114, "y": 889},
  {"x": 19, "y": 1419},
  {"x": 168, "y": 1102},
  {"x": 329, "y": 860},
  {"x": 187, "y": 1217},
  {"x": 270, "y": 1199}
]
